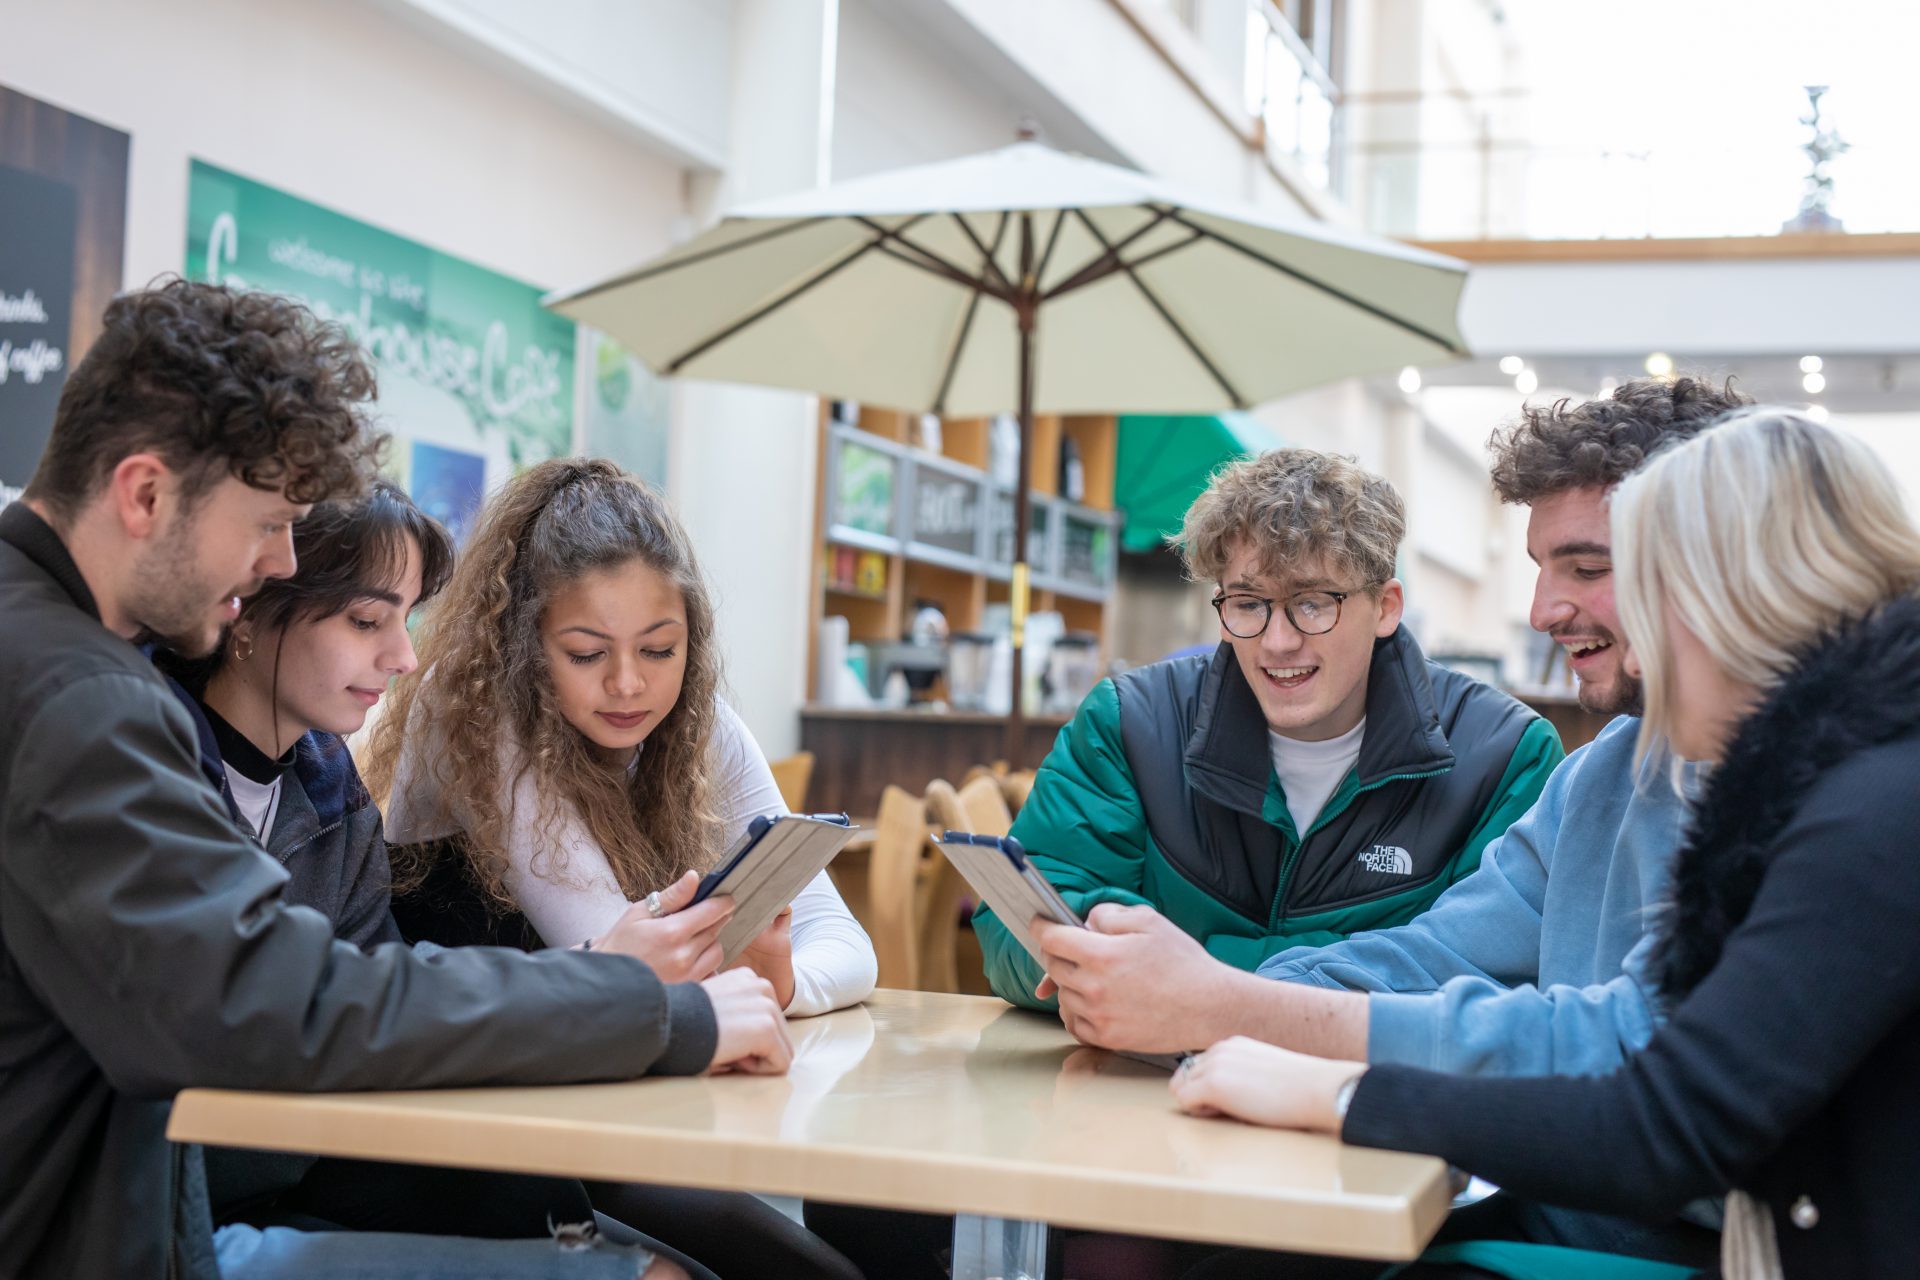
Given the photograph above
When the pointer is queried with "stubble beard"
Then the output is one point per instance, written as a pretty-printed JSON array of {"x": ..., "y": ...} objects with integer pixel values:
[
  {"x": 1624, "y": 696},
  {"x": 170, "y": 598}
]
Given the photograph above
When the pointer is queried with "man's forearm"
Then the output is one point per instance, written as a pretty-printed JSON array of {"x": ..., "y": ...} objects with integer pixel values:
[{"x": 1327, "y": 1024}]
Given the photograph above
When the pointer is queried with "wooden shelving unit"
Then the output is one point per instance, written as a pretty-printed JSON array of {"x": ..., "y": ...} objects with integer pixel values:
[{"x": 898, "y": 524}]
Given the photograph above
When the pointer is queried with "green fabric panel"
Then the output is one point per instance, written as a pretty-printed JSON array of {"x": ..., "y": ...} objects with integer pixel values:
[
  {"x": 1520, "y": 1261},
  {"x": 1165, "y": 460}
]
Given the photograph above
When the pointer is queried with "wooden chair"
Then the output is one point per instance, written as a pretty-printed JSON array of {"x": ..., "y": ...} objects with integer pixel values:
[
  {"x": 998, "y": 769},
  {"x": 944, "y": 892},
  {"x": 791, "y": 775},
  {"x": 894, "y": 871},
  {"x": 985, "y": 805},
  {"x": 1015, "y": 785}
]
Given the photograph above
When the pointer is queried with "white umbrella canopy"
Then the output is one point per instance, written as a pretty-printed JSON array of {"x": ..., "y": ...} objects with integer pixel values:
[
  {"x": 906, "y": 289},
  {"x": 1029, "y": 280}
]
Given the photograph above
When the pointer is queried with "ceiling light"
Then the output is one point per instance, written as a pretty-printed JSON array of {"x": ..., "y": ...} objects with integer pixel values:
[
  {"x": 1818, "y": 412},
  {"x": 1811, "y": 364},
  {"x": 1409, "y": 379},
  {"x": 1511, "y": 365},
  {"x": 1660, "y": 364},
  {"x": 1526, "y": 382},
  {"x": 1814, "y": 383}
]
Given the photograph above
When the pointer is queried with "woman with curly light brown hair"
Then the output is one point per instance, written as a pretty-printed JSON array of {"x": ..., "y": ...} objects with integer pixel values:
[{"x": 564, "y": 753}]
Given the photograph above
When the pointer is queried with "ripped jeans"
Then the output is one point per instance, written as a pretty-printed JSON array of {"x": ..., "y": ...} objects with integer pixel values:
[{"x": 280, "y": 1253}]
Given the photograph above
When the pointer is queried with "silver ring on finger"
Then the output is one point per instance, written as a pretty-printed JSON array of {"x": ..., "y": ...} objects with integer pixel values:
[{"x": 654, "y": 908}]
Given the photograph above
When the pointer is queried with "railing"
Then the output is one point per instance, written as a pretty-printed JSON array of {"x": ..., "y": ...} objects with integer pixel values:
[
  {"x": 1458, "y": 165},
  {"x": 1293, "y": 97}
]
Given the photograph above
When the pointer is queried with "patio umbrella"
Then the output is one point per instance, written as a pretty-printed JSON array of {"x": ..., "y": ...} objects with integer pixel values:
[{"x": 1031, "y": 281}]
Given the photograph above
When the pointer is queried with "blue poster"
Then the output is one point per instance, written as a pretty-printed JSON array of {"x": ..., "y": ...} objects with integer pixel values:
[{"x": 448, "y": 484}]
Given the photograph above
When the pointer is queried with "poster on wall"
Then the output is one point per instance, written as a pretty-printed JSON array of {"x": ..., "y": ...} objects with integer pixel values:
[
  {"x": 476, "y": 378},
  {"x": 36, "y": 306},
  {"x": 63, "y": 196}
]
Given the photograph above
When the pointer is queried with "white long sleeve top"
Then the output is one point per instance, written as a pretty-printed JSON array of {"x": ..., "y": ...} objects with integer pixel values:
[{"x": 833, "y": 961}]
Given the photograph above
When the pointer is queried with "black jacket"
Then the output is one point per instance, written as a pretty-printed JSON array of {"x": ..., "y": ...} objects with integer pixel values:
[
  {"x": 144, "y": 948},
  {"x": 1790, "y": 1066}
]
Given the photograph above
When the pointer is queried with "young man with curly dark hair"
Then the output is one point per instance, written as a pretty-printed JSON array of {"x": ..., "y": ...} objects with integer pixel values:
[
  {"x": 1536, "y": 963},
  {"x": 145, "y": 946}
]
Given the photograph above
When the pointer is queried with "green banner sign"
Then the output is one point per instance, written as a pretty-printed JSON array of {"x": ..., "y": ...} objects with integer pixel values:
[{"x": 476, "y": 379}]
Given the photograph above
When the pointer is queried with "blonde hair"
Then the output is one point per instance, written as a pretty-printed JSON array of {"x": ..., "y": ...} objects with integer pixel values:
[
  {"x": 1295, "y": 506},
  {"x": 1766, "y": 534},
  {"x": 546, "y": 528}
]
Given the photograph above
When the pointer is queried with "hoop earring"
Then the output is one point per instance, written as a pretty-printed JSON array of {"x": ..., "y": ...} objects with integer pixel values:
[{"x": 242, "y": 648}]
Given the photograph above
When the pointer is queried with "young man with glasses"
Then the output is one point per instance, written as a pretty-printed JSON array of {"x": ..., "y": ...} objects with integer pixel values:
[{"x": 1313, "y": 777}]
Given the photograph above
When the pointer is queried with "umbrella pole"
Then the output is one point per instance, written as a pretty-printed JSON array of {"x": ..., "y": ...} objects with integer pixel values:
[{"x": 1017, "y": 594}]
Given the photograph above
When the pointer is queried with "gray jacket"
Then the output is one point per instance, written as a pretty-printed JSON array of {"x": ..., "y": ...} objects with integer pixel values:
[{"x": 145, "y": 948}]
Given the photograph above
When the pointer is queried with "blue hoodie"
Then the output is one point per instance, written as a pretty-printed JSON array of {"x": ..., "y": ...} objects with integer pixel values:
[{"x": 1536, "y": 963}]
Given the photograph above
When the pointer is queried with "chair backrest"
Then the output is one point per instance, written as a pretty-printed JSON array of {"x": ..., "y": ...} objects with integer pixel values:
[
  {"x": 985, "y": 806},
  {"x": 792, "y": 774},
  {"x": 1016, "y": 787},
  {"x": 893, "y": 886},
  {"x": 943, "y": 893}
]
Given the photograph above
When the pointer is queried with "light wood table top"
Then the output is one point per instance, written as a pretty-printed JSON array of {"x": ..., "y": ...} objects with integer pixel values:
[{"x": 940, "y": 1103}]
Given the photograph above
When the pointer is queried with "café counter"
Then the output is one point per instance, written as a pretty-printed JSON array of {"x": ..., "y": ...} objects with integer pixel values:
[{"x": 857, "y": 752}]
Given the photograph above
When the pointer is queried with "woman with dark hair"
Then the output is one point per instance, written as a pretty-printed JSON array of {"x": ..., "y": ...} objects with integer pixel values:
[
  {"x": 300, "y": 668},
  {"x": 565, "y": 754}
]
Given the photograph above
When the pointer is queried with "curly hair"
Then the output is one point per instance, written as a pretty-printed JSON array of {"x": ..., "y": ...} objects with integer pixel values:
[
  {"x": 1564, "y": 446},
  {"x": 1297, "y": 506},
  {"x": 483, "y": 672},
  {"x": 215, "y": 381}
]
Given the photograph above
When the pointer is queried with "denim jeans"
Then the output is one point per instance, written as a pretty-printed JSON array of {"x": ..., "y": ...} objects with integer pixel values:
[{"x": 279, "y": 1253}]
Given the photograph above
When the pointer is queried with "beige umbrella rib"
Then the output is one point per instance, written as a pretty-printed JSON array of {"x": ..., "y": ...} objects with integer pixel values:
[
  {"x": 754, "y": 317},
  {"x": 1332, "y": 291},
  {"x": 1153, "y": 300},
  {"x": 705, "y": 255},
  {"x": 965, "y": 328}
]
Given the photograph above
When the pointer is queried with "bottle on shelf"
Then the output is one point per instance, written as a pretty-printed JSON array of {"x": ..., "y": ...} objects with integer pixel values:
[
  {"x": 1073, "y": 472},
  {"x": 1003, "y": 450}
]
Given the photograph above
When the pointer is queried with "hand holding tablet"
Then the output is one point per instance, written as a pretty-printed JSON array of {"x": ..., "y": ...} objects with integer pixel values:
[
  {"x": 767, "y": 868},
  {"x": 998, "y": 869}
]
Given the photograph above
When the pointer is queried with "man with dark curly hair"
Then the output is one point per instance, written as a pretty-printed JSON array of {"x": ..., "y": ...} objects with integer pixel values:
[
  {"x": 1536, "y": 964},
  {"x": 145, "y": 946}
]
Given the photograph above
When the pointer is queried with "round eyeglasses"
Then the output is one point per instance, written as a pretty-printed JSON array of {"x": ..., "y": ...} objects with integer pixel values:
[{"x": 1312, "y": 613}]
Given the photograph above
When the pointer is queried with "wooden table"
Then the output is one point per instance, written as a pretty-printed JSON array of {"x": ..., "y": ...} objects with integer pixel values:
[{"x": 939, "y": 1103}]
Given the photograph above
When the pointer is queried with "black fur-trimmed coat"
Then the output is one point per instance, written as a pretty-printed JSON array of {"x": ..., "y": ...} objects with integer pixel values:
[{"x": 1790, "y": 1063}]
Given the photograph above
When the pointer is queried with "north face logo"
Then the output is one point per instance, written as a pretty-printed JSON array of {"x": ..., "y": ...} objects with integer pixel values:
[{"x": 1387, "y": 859}]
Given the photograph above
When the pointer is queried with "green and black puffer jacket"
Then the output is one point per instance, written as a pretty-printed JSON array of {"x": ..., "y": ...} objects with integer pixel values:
[{"x": 1161, "y": 791}]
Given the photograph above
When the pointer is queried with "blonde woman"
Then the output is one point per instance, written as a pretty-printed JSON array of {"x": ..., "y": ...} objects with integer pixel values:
[
  {"x": 1767, "y": 572},
  {"x": 564, "y": 754}
]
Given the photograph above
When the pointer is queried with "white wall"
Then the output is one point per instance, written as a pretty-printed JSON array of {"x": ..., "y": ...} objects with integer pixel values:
[
  {"x": 1752, "y": 306},
  {"x": 900, "y": 98},
  {"x": 1089, "y": 56},
  {"x": 658, "y": 66},
  {"x": 742, "y": 465},
  {"x": 345, "y": 106}
]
